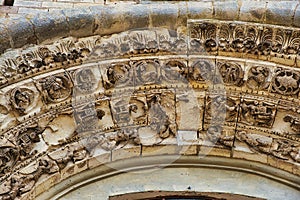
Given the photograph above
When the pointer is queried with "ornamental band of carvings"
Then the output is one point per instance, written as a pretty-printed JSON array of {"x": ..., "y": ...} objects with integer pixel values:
[{"x": 123, "y": 102}]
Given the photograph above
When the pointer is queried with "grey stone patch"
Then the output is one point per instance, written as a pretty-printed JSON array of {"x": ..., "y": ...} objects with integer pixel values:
[
  {"x": 226, "y": 10},
  {"x": 80, "y": 21},
  {"x": 137, "y": 16},
  {"x": 50, "y": 25},
  {"x": 108, "y": 19},
  {"x": 21, "y": 31},
  {"x": 4, "y": 38},
  {"x": 164, "y": 16},
  {"x": 280, "y": 12},
  {"x": 297, "y": 17},
  {"x": 252, "y": 11},
  {"x": 197, "y": 10}
]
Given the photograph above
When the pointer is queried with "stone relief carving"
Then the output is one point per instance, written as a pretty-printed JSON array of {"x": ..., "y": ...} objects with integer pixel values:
[
  {"x": 220, "y": 108},
  {"x": 286, "y": 82},
  {"x": 256, "y": 142},
  {"x": 174, "y": 71},
  {"x": 21, "y": 99},
  {"x": 285, "y": 150},
  {"x": 113, "y": 122},
  {"x": 22, "y": 182},
  {"x": 117, "y": 75},
  {"x": 55, "y": 88},
  {"x": 86, "y": 81},
  {"x": 257, "y": 113},
  {"x": 205, "y": 35},
  {"x": 294, "y": 123},
  {"x": 162, "y": 113},
  {"x": 231, "y": 73},
  {"x": 258, "y": 77},
  {"x": 219, "y": 136},
  {"x": 147, "y": 72},
  {"x": 203, "y": 71}
]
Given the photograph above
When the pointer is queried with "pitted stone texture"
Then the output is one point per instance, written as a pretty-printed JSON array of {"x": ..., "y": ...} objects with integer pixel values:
[
  {"x": 80, "y": 21},
  {"x": 49, "y": 26},
  {"x": 137, "y": 16},
  {"x": 21, "y": 31},
  {"x": 226, "y": 10},
  {"x": 280, "y": 12},
  {"x": 198, "y": 10},
  {"x": 252, "y": 11},
  {"x": 160, "y": 13},
  {"x": 4, "y": 38},
  {"x": 109, "y": 20}
]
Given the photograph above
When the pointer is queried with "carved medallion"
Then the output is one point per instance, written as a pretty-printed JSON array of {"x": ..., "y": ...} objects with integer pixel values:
[
  {"x": 231, "y": 73},
  {"x": 117, "y": 75},
  {"x": 203, "y": 71},
  {"x": 55, "y": 88},
  {"x": 286, "y": 82},
  {"x": 86, "y": 81},
  {"x": 258, "y": 77},
  {"x": 147, "y": 72},
  {"x": 22, "y": 99},
  {"x": 174, "y": 71}
]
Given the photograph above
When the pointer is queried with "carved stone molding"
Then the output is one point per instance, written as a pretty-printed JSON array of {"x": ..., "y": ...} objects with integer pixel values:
[{"x": 133, "y": 91}]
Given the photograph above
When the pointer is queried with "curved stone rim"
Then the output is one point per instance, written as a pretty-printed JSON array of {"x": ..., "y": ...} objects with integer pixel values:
[
  {"x": 104, "y": 20},
  {"x": 134, "y": 164}
]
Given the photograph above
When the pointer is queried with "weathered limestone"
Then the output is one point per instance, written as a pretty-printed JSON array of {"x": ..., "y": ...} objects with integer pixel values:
[{"x": 92, "y": 87}]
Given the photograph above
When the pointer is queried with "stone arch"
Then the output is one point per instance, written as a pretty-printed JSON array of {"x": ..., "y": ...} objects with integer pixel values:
[{"x": 242, "y": 75}]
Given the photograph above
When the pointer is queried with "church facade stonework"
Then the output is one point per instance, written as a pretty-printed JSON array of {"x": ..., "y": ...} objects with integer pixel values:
[{"x": 198, "y": 98}]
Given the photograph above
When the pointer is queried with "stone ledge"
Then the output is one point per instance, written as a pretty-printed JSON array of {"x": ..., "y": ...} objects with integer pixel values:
[{"x": 111, "y": 19}]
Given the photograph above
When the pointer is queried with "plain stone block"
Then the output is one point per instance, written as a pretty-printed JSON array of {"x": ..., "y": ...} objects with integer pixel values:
[
  {"x": 127, "y": 152},
  {"x": 107, "y": 21},
  {"x": 28, "y": 3},
  {"x": 80, "y": 22},
  {"x": 50, "y": 25},
  {"x": 21, "y": 31},
  {"x": 4, "y": 38},
  {"x": 164, "y": 16},
  {"x": 297, "y": 17},
  {"x": 280, "y": 12},
  {"x": 201, "y": 10},
  {"x": 160, "y": 150},
  {"x": 252, "y": 11},
  {"x": 226, "y": 10}
]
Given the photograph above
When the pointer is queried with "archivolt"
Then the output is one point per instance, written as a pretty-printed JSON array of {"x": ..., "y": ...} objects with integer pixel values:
[{"x": 215, "y": 88}]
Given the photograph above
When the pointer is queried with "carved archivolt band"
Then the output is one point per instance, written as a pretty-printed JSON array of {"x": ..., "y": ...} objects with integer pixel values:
[{"x": 229, "y": 90}]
